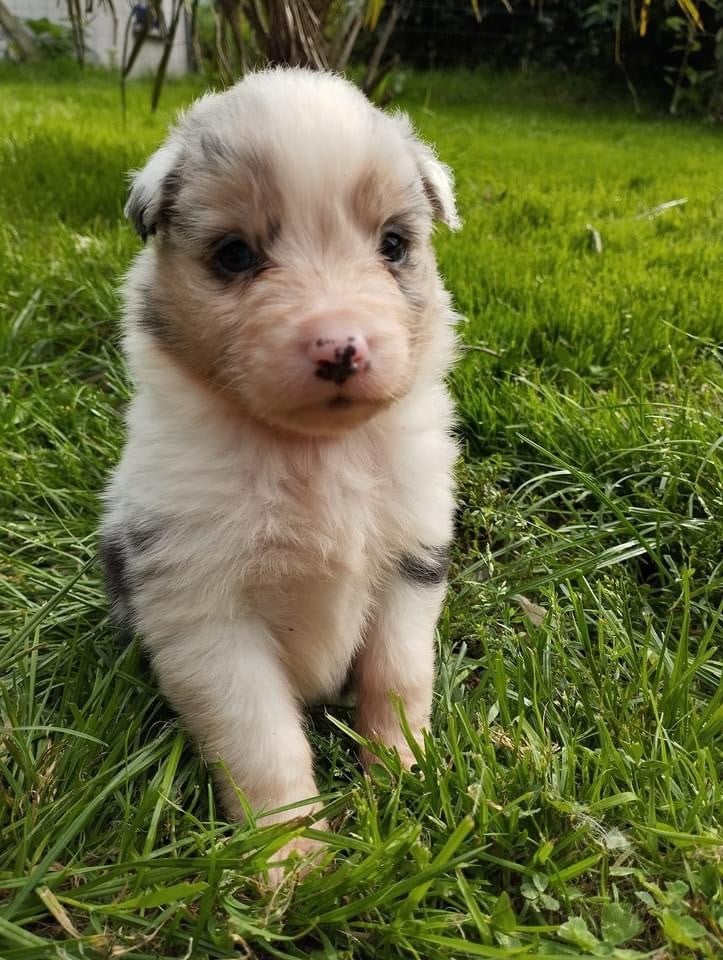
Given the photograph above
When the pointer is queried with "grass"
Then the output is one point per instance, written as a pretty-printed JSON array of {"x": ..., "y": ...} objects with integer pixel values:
[{"x": 569, "y": 801}]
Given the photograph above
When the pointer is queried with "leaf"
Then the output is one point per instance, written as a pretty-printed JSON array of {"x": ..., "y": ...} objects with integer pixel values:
[
  {"x": 575, "y": 931},
  {"x": 677, "y": 890},
  {"x": 595, "y": 238},
  {"x": 692, "y": 11},
  {"x": 548, "y": 902},
  {"x": 528, "y": 891},
  {"x": 544, "y": 851},
  {"x": 12, "y": 933},
  {"x": 57, "y": 909},
  {"x": 681, "y": 929},
  {"x": 616, "y": 800},
  {"x": 533, "y": 611},
  {"x": 373, "y": 13},
  {"x": 644, "y": 14},
  {"x": 503, "y": 916},
  {"x": 619, "y": 924},
  {"x": 661, "y": 208},
  {"x": 615, "y": 840},
  {"x": 416, "y": 895},
  {"x": 182, "y": 892},
  {"x": 645, "y": 898}
]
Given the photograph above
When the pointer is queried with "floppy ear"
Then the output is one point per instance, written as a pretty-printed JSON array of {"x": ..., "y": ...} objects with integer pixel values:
[
  {"x": 437, "y": 177},
  {"x": 438, "y": 183},
  {"x": 153, "y": 190}
]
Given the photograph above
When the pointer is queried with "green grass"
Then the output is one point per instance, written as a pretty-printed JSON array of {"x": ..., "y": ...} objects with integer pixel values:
[{"x": 569, "y": 802}]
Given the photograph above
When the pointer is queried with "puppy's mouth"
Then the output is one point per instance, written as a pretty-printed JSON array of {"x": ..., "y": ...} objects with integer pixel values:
[
  {"x": 334, "y": 415},
  {"x": 340, "y": 402}
]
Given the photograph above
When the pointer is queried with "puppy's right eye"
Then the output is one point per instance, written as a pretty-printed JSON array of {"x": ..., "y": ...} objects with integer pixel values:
[
  {"x": 393, "y": 247},
  {"x": 235, "y": 257}
]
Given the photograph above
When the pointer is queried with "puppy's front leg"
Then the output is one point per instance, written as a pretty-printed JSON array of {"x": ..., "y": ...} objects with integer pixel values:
[
  {"x": 398, "y": 655},
  {"x": 231, "y": 689}
]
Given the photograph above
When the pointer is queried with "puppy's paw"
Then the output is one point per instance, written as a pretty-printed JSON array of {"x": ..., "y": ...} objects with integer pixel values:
[
  {"x": 406, "y": 756},
  {"x": 296, "y": 858}
]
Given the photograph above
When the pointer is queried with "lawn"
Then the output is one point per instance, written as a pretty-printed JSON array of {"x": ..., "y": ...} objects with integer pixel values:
[{"x": 569, "y": 801}]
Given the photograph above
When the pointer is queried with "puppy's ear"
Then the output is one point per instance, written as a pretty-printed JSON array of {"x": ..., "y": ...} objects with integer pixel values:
[
  {"x": 437, "y": 177},
  {"x": 153, "y": 190},
  {"x": 438, "y": 183}
]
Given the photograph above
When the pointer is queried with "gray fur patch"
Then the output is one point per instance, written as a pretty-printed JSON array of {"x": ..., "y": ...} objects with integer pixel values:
[
  {"x": 428, "y": 569},
  {"x": 153, "y": 320},
  {"x": 140, "y": 204},
  {"x": 144, "y": 534},
  {"x": 214, "y": 149},
  {"x": 435, "y": 200},
  {"x": 403, "y": 275},
  {"x": 135, "y": 210},
  {"x": 117, "y": 578},
  {"x": 119, "y": 549}
]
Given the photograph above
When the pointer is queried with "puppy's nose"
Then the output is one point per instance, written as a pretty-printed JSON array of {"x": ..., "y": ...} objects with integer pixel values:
[{"x": 338, "y": 357}]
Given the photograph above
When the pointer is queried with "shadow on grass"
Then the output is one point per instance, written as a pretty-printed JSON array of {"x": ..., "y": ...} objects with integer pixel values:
[{"x": 49, "y": 177}]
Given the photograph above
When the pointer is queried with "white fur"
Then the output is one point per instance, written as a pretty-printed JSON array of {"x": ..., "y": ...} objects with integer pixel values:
[{"x": 271, "y": 558}]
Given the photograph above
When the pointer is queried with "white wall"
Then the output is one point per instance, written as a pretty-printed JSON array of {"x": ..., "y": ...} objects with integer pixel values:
[{"x": 103, "y": 40}]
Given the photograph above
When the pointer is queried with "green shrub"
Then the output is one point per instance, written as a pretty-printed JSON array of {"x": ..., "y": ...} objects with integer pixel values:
[
  {"x": 675, "y": 60},
  {"x": 54, "y": 40}
]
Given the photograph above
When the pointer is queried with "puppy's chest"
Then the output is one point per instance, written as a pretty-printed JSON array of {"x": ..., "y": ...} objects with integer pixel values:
[
  {"x": 322, "y": 550},
  {"x": 308, "y": 525}
]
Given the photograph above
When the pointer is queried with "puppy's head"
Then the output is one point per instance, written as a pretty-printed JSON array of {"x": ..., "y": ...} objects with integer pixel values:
[{"x": 291, "y": 267}]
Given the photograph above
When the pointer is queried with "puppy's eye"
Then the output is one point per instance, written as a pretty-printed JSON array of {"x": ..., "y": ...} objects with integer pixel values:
[
  {"x": 235, "y": 257},
  {"x": 393, "y": 247}
]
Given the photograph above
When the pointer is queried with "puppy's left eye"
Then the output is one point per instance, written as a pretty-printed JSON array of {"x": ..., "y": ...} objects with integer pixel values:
[
  {"x": 235, "y": 257},
  {"x": 393, "y": 247}
]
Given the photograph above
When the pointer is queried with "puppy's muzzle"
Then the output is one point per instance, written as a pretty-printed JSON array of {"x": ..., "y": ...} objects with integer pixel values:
[{"x": 338, "y": 357}]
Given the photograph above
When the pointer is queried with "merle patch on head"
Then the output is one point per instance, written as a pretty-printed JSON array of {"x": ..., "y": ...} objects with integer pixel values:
[
  {"x": 153, "y": 320},
  {"x": 426, "y": 569},
  {"x": 140, "y": 204},
  {"x": 137, "y": 215},
  {"x": 416, "y": 300},
  {"x": 214, "y": 149}
]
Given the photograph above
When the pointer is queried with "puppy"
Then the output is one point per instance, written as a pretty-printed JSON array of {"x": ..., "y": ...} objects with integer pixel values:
[{"x": 280, "y": 519}]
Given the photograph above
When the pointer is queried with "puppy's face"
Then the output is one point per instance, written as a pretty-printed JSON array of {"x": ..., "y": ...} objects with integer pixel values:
[{"x": 292, "y": 268}]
